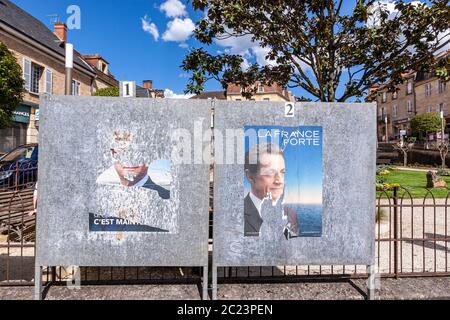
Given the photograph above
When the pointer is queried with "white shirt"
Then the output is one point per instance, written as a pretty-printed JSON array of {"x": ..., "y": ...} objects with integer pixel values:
[
  {"x": 257, "y": 202},
  {"x": 141, "y": 182}
]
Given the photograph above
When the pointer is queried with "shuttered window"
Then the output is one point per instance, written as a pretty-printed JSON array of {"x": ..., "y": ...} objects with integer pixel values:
[
  {"x": 48, "y": 81},
  {"x": 27, "y": 73},
  {"x": 75, "y": 88}
]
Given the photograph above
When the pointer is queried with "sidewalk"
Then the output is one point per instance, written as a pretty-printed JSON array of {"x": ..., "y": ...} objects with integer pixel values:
[
  {"x": 415, "y": 169},
  {"x": 400, "y": 289}
]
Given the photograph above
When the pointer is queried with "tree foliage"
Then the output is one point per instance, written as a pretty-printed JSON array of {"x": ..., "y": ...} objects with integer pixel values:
[
  {"x": 107, "y": 92},
  {"x": 11, "y": 85},
  {"x": 318, "y": 46},
  {"x": 426, "y": 123}
]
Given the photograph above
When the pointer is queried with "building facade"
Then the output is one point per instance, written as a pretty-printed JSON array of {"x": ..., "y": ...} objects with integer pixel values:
[
  {"x": 419, "y": 93},
  {"x": 274, "y": 92},
  {"x": 41, "y": 54}
]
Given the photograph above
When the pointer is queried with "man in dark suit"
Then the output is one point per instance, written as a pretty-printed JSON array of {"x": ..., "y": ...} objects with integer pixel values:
[
  {"x": 265, "y": 170},
  {"x": 163, "y": 193},
  {"x": 253, "y": 220}
]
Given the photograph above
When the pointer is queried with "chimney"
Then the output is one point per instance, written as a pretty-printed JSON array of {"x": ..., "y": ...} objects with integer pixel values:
[
  {"x": 61, "y": 31},
  {"x": 147, "y": 84}
]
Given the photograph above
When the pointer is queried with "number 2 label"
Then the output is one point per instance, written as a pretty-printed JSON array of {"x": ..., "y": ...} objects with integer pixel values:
[{"x": 289, "y": 110}]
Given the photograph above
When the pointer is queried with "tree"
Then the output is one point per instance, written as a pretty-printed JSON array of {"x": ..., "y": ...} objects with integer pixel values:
[
  {"x": 425, "y": 123},
  {"x": 330, "y": 52},
  {"x": 11, "y": 85},
  {"x": 107, "y": 92},
  {"x": 405, "y": 147}
]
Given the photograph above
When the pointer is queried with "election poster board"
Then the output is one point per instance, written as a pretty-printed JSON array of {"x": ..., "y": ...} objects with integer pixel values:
[
  {"x": 119, "y": 185},
  {"x": 298, "y": 188}
]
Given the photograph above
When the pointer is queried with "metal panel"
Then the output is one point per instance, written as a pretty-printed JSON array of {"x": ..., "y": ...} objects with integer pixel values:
[
  {"x": 349, "y": 154},
  {"x": 75, "y": 140}
]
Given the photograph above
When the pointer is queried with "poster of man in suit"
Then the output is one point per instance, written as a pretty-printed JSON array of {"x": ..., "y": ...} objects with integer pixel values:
[{"x": 283, "y": 165}]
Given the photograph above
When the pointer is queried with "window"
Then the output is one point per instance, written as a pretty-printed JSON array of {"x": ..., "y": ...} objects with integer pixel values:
[
  {"x": 442, "y": 86},
  {"x": 409, "y": 87},
  {"x": 48, "y": 81},
  {"x": 394, "y": 95},
  {"x": 32, "y": 75},
  {"x": 238, "y": 99},
  {"x": 75, "y": 88},
  {"x": 428, "y": 90},
  {"x": 430, "y": 109},
  {"x": 260, "y": 88},
  {"x": 27, "y": 73},
  {"x": 13, "y": 136},
  {"x": 384, "y": 97},
  {"x": 36, "y": 72},
  {"x": 266, "y": 99},
  {"x": 409, "y": 108},
  {"x": 441, "y": 107},
  {"x": 394, "y": 111}
]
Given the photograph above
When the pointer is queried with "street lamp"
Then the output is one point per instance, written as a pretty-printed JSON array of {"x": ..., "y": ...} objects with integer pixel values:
[
  {"x": 443, "y": 146},
  {"x": 69, "y": 69},
  {"x": 385, "y": 124}
]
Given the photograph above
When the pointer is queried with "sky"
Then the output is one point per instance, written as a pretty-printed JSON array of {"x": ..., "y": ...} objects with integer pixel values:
[
  {"x": 303, "y": 179},
  {"x": 121, "y": 31},
  {"x": 146, "y": 39}
]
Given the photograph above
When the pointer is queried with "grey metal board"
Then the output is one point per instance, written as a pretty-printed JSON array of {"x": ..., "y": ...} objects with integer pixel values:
[
  {"x": 348, "y": 187},
  {"x": 81, "y": 140}
]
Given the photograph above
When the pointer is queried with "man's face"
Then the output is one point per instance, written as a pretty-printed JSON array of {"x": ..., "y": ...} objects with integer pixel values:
[
  {"x": 130, "y": 175},
  {"x": 269, "y": 178},
  {"x": 128, "y": 162}
]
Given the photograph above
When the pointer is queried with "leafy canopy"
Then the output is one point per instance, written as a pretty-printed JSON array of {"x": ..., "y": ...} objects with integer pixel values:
[
  {"x": 330, "y": 52},
  {"x": 107, "y": 92},
  {"x": 426, "y": 123},
  {"x": 11, "y": 85}
]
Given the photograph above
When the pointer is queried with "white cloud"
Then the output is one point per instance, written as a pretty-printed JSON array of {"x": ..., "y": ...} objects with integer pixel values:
[
  {"x": 183, "y": 45},
  {"x": 375, "y": 11},
  {"x": 150, "y": 27},
  {"x": 178, "y": 30},
  {"x": 389, "y": 5},
  {"x": 261, "y": 54},
  {"x": 173, "y": 9},
  {"x": 169, "y": 94},
  {"x": 444, "y": 36},
  {"x": 237, "y": 45},
  {"x": 247, "y": 48}
]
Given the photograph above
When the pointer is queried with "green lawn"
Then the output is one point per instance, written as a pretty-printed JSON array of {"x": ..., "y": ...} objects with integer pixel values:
[{"x": 415, "y": 182}]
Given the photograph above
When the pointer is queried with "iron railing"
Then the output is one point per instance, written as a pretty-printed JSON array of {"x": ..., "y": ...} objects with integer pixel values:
[{"x": 412, "y": 239}]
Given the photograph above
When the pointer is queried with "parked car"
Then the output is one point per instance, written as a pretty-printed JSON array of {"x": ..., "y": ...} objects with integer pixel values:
[{"x": 19, "y": 166}]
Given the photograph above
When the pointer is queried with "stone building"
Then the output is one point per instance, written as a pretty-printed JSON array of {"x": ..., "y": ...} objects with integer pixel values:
[
  {"x": 41, "y": 54},
  {"x": 274, "y": 92},
  {"x": 419, "y": 93}
]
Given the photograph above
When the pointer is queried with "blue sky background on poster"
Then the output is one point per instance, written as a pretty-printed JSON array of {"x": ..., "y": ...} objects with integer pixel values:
[{"x": 303, "y": 158}]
